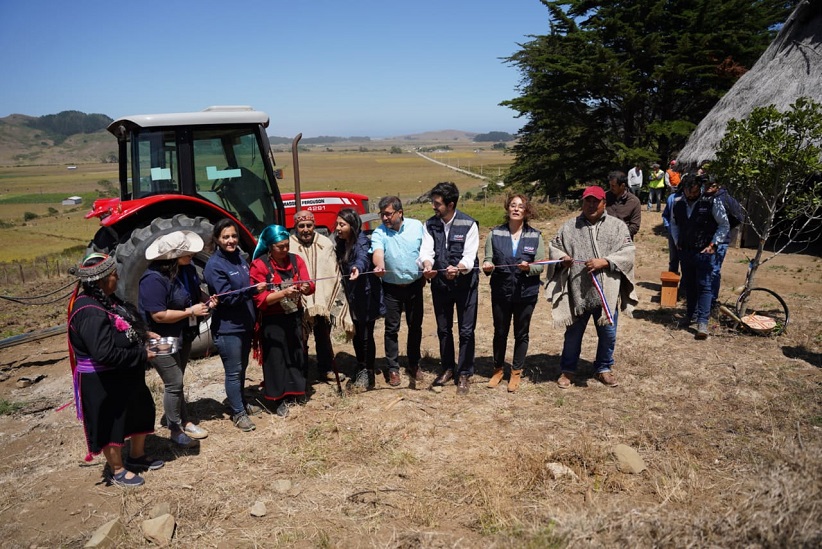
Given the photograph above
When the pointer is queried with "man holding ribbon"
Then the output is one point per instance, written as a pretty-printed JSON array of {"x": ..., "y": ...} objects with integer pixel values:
[{"x": 594, "y": 279}]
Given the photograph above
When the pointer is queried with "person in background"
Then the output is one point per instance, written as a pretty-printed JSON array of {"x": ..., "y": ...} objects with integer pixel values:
[
  {"x": 232, "y": 320},
  {"x": 510, "y": 250},
  {"x": 363, "y": 292},
  {"x": 698, "y": 223},
  {"x": 656, "y": 184},
  {"x": 395, "y": 246},
  {"x": 448, "y": 258},
  {"x": 320, "y": 309},
  {"x": 635, "y": 180},
  {"x": 278, "y": 336},
  {"x": 170, "y": 301},
  {"x": 592, "y": 246},
  {"x": 109, "y": 359},
  {"x": 735, "y": 217},
  {"x": 673, "y": 251},
  {"x": 672, "y": 177},
  {"x": 622, "y": 204}
]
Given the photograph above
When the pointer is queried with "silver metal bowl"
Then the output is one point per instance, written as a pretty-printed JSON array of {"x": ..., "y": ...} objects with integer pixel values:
[{"x": 164, "y": 345}]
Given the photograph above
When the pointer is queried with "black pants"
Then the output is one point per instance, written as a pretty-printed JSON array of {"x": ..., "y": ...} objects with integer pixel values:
[
  {"x": 321, "y": 329},
  {"x": 465, "y": 301},
  {"x": 364, "y": 347},
  {"x": 397, "y": 299},
  {"x": 503, "y": 310}
]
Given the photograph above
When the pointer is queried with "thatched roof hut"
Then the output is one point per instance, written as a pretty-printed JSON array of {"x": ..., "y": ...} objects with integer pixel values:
[{"x": 790, "y": 68}]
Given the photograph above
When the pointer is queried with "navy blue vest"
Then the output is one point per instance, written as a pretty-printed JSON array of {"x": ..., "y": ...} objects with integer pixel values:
[
  {"x": 697, "y": 231},
  {"x": 509, "y": 282},
  {"x": 450, "y": 253}
]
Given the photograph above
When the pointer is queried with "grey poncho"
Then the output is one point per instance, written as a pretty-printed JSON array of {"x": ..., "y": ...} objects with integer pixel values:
[{"x": 572, "y": 291}]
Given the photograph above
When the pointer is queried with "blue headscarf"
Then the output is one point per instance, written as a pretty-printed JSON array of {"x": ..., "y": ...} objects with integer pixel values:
[{"x": 270, "y": 235}]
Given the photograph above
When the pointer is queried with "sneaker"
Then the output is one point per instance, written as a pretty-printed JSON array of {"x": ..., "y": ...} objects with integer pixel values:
[
  {"x": 282, "y": 409},
  {"x": 607, "y": 378},
  {"x": 195, "y": 431},
  {"x": 253, "y": 409},
  {"x": 701, "y": 331},
  {"x": 360, "y": 382},
  {"x": 143, "y": 463},
  {"x": 243, "y": 422},
  {"x": 183, "y": 440},
  {"x": 120, "y": 479}
]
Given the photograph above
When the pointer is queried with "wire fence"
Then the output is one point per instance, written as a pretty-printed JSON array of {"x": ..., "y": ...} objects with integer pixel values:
[{"x": 23, "y": 271}]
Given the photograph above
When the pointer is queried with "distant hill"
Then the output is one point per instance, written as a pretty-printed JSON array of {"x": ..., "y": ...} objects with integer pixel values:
[
  {"x": 73, "y": 137},
  {"x": 55, "y": 139}
]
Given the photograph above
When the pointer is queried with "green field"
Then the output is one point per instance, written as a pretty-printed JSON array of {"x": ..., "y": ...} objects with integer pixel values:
[{"x": 29, "y": 191}]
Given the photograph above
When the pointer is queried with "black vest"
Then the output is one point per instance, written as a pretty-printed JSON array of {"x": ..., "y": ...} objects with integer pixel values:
[
  {"x": 697, "y": 231},
  {"x": 450, "y": 253},
  {"x": 509, "y": 282}
]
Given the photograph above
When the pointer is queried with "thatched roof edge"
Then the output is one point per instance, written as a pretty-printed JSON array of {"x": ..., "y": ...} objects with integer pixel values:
[{"x": 790, "y": 68}]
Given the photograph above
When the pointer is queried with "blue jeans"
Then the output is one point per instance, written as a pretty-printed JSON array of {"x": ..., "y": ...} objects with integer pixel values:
[
  {"x": 606, "y": 336},
  {"x": 716, "y": 273},
  {"x": 697, "y": 272},
  {"x": 655, "y": 193},
  {"x": 234, "y": 350}
]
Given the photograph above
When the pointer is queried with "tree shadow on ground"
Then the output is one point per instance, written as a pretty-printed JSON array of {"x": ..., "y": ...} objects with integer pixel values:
[
  {"x": 668, "y": 317},
  {"x": 803, "y": 353},
  {"x": 206, "y": 409}
]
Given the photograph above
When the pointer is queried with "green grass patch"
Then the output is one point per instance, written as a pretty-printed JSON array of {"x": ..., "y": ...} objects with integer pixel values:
[{"x": 7, "y": 407}]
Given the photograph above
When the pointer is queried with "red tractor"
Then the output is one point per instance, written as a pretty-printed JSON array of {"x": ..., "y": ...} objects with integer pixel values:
[{"x": 186, "y": 171}]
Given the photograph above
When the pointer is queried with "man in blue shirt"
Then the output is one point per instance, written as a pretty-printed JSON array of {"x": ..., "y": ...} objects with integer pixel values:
[{"x": 395, "y": 246}]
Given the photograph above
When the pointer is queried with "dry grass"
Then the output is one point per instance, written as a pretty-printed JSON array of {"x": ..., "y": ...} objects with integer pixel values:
[{"x": 729, "y": 430}]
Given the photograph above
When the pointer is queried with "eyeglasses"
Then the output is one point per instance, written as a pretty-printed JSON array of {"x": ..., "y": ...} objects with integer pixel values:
[{"x": 388, "y": 215}]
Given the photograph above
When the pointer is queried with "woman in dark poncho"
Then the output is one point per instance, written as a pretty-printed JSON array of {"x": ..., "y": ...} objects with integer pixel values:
[
  {"x": 363, "y": 291},
  {"x": 278, "y": 334},
  {"x": 109, "y": 359}
]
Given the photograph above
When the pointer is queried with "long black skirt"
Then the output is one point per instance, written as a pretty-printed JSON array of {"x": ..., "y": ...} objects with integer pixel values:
[
  {"x": 284, "y": 365},
  {"x": 116, "y": 405}
]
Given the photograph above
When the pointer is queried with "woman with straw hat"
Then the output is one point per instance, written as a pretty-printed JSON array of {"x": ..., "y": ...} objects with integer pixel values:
[
  {"x": 108, "y": 358},
  {"x": 170, "y": 301},
  {"x": 278, "y": 333}
]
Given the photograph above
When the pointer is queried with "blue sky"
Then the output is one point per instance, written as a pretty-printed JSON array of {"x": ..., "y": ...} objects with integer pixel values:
[{"x": 321, "y": 67}]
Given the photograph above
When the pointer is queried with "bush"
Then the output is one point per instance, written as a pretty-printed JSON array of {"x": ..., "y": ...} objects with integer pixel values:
[{"x": 28, "y": 216}]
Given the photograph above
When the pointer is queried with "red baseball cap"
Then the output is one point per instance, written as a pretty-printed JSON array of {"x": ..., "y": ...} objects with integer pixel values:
[{"x": 594, "y": 191}]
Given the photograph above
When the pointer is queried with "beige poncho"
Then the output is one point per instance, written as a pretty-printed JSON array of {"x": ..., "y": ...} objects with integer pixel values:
[
  {"x": 328, "y": 300},
  {"x": 572, "y": 291}
]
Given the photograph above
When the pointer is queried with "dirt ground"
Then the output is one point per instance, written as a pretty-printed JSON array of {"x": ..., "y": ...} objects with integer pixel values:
[{"x": 728, "y": 428}]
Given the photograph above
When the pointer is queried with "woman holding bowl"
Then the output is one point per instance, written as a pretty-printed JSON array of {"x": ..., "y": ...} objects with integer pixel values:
[
  {"x": 109, "y": 359},
  {"x": 170, "y": 301}
]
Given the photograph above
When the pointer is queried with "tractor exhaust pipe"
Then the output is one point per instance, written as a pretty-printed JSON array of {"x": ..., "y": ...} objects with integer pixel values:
[{"x": 295, "y": 159}]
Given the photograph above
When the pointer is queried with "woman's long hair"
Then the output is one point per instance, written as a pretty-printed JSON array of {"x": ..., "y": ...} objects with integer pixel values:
[
  {"x": 345, "y": 247},
  {"x": 166, "y": 267}
]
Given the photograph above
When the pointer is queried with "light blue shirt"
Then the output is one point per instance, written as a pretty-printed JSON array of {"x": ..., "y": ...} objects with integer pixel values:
[{"x": 401, "y": 250}]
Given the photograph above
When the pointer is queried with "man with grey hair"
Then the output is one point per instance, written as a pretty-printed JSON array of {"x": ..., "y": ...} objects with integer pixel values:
[{"x": 321, "y": 308}]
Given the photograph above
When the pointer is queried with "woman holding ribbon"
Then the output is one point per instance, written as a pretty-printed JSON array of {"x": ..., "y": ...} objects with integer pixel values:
[
  {"x": 510, "y": 251},
  {"x": 232, "y": 321},
  {"x": 362, "y": 290},
  {"x": 170, "y": 301},
  {"x": 278, "y": 333},
  {"x": 109, "y": 359}
]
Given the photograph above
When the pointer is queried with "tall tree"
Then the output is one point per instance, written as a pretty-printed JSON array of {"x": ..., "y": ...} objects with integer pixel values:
[{"x": 617, "y": 82}]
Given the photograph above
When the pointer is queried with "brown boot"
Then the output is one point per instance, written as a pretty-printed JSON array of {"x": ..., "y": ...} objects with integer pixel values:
[
  {"x": 495, "y": 378},
  {"x": 513, "y": 383}
]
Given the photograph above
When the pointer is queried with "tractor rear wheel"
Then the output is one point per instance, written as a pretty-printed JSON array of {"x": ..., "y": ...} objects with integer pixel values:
[{"x": 132, "y": 263}]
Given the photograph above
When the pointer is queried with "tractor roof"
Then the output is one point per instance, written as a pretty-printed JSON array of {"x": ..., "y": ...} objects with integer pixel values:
[{"x": 207, "y": 117}]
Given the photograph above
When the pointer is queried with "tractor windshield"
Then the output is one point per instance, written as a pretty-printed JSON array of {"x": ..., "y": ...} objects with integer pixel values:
[{"x": 225, "y": 165}]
